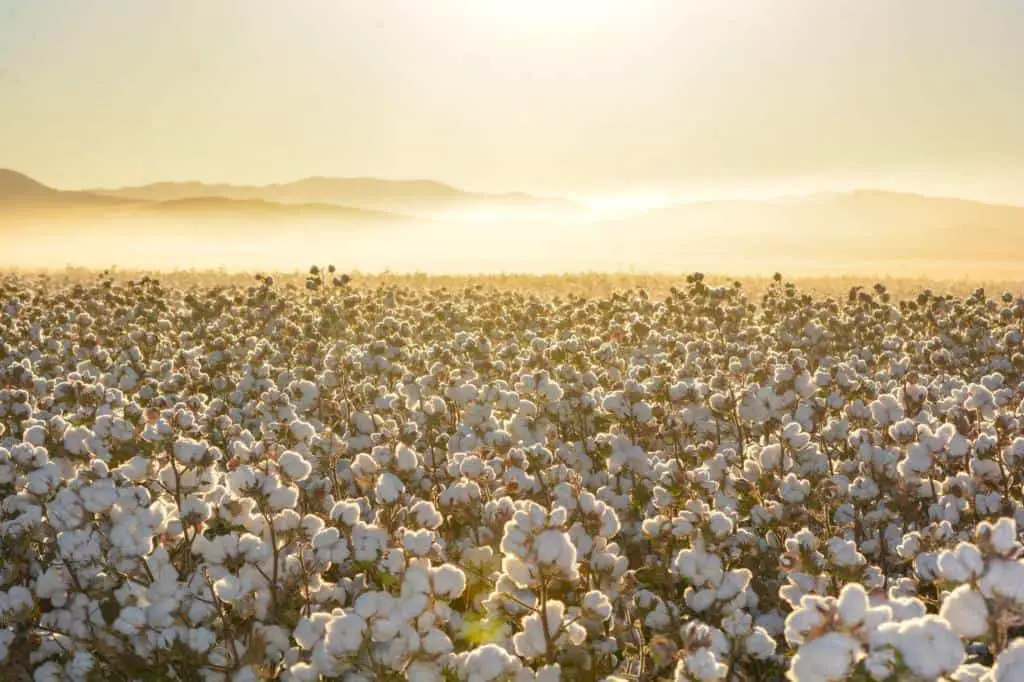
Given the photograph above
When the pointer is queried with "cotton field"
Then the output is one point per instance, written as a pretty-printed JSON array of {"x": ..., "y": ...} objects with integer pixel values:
[{"x": 339, "y": 481}]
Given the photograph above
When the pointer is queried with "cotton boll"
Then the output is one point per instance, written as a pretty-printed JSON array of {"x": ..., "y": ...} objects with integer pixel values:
[
  {"x": 189, "y": 452},
  {"x": 388, "y": 488},
  {"x": 825, "y": 659},
  {"x": 720, "y": 524},
  {"x": 1002, "y": 535},
  {"x": 759, "y": 644},
  {"x": 852, "y": 604},
  {"x": 489, "y": 662},
  {"x": 966, "y": 611},
  {"x": 284, "y": 497},
  {"x": 701, "y": 665},
  {"x": 344, "y": 633},
  {"x": 928, "y": 646},
  {"x": 1009, "y": 665},
  {"x": 294, "y": 465},
  {"x": 597, "y": 605},
  {"x": 425, "y": 515},
  {"x": 418, "y": 543},
  {"x": 449, "y": 581},
  {"x": 436, "y": 642}
]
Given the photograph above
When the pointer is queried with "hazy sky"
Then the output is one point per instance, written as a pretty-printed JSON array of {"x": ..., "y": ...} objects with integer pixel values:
[{"x": 574, "y": 96}]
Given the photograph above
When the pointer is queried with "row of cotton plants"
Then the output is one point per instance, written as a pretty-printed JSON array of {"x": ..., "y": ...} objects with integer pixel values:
[{"x": 335, "y": 482}]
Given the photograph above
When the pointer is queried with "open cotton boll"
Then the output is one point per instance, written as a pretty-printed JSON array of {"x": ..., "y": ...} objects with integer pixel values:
[
  {"x": 344, "y": 633},
  {"x": 966, "y": 611},
  {"x": 597, "y": 605},
  {"x": 701, "y": 665},
  {"x": 294, "y": 465},
  {"x": 531, "y": 642},
  {"x": 389, "y": 488},
  {"x": 188, "y": 451},
  {"x": 1005, "y": 579},
  {"x": 928, "y": 646},
  {"x": 489, "y": 662},
  {"x": 1009, "y": 665},
  {"x": 425, "y": 515},
  {"x": 828, "y": 658},
  {"x": 449, "y": 581}
]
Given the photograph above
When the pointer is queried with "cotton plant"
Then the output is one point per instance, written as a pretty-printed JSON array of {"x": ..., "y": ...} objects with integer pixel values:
[{"x": 310, "y": 479}]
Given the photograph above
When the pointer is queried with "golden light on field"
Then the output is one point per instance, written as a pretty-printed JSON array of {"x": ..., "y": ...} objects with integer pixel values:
[{"x": 590, "y": 131}]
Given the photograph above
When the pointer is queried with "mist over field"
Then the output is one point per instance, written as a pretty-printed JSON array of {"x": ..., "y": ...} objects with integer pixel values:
[{"x": 864, "y": 232}]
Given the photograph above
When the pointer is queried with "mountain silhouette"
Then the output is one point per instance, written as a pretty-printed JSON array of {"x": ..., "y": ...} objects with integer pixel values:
[
  {"x": 22, "y": 196},
  {"x": 376, "y": 193}
]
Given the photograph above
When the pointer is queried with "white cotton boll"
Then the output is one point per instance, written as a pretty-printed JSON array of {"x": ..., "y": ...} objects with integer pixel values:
[
  {"x": 294, "y": 465},
  {"x": 597, "y": 605},
  {"x": 1004, "y": 578},
  {"x": 301, "y": 431},
  {"x": 699, "y": 600},
  {"x": 1009, "y": 666},
  {"x": 531, "y": 642},
  {"x": 642, "y": 412},
  {"x": 418, "y": 542},
  {"x": 844, "y": 552},
  {"x": 489, "y": 662},
  {"x": 828, "y": 658},
  {"x": 389, "y": 488},
  {"x": 52, "y": 585},
  {"x": 195, "y": 508},
  {"x": 759, "y": 644},
  {"x": 363, "y": 422},
  {"x": 309, "y": 631},
  {"x": 284, "y": 497},
  {"x": 548, "y": 673},
  {"x": 928, "y": 645},
  {"x": 200, "y": 639},
  {"x": 425, "y": 515},
  {"x": 555, "y": 547},
  {"x": 345, "y": 511},
  {"x": 79, "y": 666},
  {"x": 229, "y": 589},
  {"x": 449, "y": 581},
  {"x": 241, "y": 480},
  {"x": 344, "y": 634},
  {"x": 36, "y": 435},
  {"x": 405, "y": 459},
  {"x": 130, "y": 620},
  {"x": 1002, "y": 535},
  {"x": 436, "y": 642},
  {"x": 15, "y": 600},
  {"x": 188, "y": 451},
  {"x": 99, "y": 496},
  {"x": 971, "y": 672},
  {"x": 48, "y": 672},
  {"x": 852, "y": 604},
  {"x": 701, "y": 665},
  {"x": 424, "y": 671},
  {"x": 136, "y": 469},
  {"x": 905, "y": 608},
  {"x": 966, "y": 611},
  {"x": 720, "y": 524}
]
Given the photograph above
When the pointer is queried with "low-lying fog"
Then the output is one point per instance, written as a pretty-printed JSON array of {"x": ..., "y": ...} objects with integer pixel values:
[{"x": 866, "y": 234}]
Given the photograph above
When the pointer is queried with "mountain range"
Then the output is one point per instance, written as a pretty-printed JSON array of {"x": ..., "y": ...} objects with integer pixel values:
[
  {"x": 855, "y": 226},
  {"x": 334, "y": 198}
]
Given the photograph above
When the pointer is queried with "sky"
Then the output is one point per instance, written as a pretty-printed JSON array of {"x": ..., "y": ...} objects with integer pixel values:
[{"x": 559, "y": 97}]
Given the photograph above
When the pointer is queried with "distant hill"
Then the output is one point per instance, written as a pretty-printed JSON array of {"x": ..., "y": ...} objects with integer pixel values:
[
  {"x": 249, "y": 208},
  {"x": 18, "y": 189},
  {"x": 21, "y": 196},
  {"x": 857, "y": 226},
  {"x": 374, "y": 193}
]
